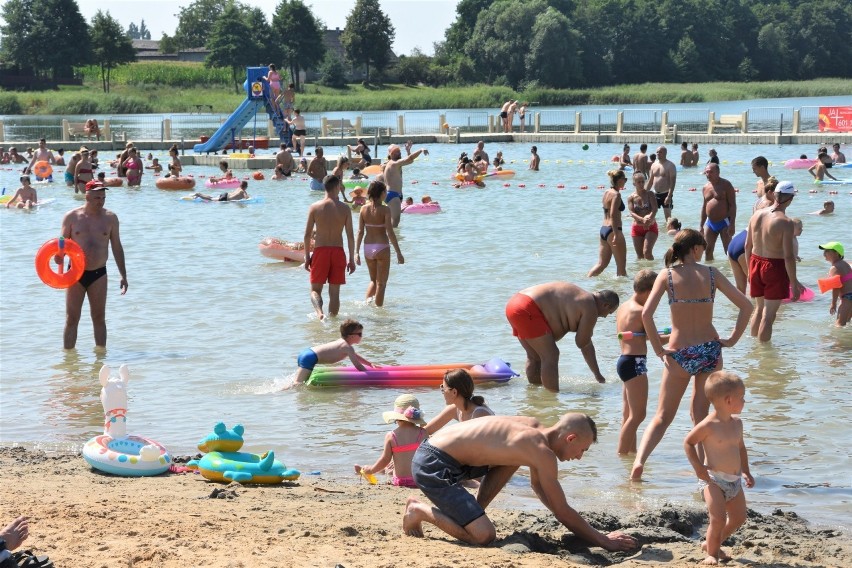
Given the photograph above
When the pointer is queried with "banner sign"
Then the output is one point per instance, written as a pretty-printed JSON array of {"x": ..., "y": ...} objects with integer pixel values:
[{"x": 835, "y": 119}]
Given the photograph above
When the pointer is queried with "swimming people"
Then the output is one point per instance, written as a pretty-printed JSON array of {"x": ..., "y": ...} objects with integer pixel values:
[
  {"x": 695, "y": 347},
  {"x": 612, "y": 237},
  {"x": 401, "y": 443},
  {"x": 95, "y": 229},
  {"x": 351, "y": 334},
  {"x": 494, "y": 447},
  {"x": 236, "y": 195},
  {"x": 376, "y": 231},
  {"x": 542, "y": 315}
]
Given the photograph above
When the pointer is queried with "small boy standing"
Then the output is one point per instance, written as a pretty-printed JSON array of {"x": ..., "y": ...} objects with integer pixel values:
[
  {"x": 833, "y": 253},
  {"x": 725, "y": 461},
  {"x": 632, "y": 365},
  {"x": 351, "y": 333}
]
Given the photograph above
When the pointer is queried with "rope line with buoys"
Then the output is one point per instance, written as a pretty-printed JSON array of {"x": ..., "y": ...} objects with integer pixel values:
[{"x": 61, "y": 278}]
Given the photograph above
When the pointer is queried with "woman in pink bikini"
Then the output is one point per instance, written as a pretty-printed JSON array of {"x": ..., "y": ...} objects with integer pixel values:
[
  {"x": 375, "y": 221},
  {"x": 133, "y": 168},
  {"x": 401, "y": 443}
]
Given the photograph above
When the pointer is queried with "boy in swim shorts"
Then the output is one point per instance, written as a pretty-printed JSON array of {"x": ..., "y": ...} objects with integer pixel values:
[
  {"x": 632, "y": 365},
  {"x": 351, "y": 333},
  {"x": 725, "y": 462}
]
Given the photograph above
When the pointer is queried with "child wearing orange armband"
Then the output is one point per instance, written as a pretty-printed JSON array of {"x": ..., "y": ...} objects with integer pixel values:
[{"x": 839, "y": 281}]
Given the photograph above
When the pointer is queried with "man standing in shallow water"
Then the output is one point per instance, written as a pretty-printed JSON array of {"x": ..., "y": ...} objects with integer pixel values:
[
  {"x": 93, "y": 228},
  {"x": 542, "y": 315},
  {"x": 662, "y": 180},
  {"x": 393, "y": 177},
  {"x": 494, "y": 447}
]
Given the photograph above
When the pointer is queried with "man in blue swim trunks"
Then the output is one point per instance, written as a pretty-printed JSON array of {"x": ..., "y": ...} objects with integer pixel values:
[
  {"x": 494, "y": 447},
  {"x": 393, "y": 176},
  {"x": 317, "y": 170},
  {"x": 719, "y": 210}
]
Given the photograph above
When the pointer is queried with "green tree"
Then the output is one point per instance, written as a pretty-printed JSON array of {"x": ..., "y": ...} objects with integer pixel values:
[
  {"x": 227, "y": 44},
  {"x": 110, "y": 46},
  {"x": 195, "y": 22},
  {"x": 331, "y": 72},
  {"x": 368, "y": 36},
  {"x": 133, "y": 31},
  {"x": 414, "y": 68},
  {"x": 168, "y": 44},
  {"x": 48, "y": 36},
  {"x": 144, "y": 32},
  {"x": 461, "y": 29},
  {"x": 687, "y": 61},
  {"x": 553, "y": 58},
  {"x": 263, "y": 50},
  {"x": 299, "y": 36}
]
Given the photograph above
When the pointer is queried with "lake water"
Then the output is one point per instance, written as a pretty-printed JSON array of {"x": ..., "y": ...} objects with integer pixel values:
[{"x": 210, "y": 328}]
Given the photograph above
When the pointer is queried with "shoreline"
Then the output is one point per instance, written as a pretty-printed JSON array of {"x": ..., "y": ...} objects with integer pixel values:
[{"x": 80, "y": 517}]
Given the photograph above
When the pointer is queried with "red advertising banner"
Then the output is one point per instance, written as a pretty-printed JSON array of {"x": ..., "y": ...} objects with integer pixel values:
[{"x": 835, "y": 119}]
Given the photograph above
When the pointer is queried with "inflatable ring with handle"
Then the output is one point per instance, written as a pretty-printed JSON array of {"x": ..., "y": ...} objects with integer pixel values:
[
  {"x": 42, "y": 169},
  {"x": 44, "y": 259}
]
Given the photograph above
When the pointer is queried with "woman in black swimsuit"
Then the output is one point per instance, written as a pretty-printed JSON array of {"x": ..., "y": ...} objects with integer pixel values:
[{"x": 612, "y": 237}]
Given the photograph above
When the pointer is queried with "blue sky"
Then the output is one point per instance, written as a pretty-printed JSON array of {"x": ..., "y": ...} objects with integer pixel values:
[{"x": 418, "y": 23}]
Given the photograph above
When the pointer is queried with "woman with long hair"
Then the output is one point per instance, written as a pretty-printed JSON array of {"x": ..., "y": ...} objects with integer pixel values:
[
  {"x": 375, "y": 229},
  {"x": 694, "y": 348},
  {"x": 612, "y": 237},
  {"x": 462, "y": 404},
  {"x": 642, "y": 206}
]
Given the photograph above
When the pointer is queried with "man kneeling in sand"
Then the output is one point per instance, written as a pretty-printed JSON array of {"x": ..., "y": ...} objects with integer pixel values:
[{"x": 468, "y": 450}]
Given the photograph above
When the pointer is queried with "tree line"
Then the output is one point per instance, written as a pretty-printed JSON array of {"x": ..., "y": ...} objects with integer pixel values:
[{"x": 515, "y": 43}]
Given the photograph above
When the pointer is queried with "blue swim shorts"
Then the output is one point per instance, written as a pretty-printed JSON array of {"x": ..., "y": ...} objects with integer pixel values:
[
  {"x": 316, "y": 185},
  {"x": 439, "y": 476},
  {"x": 392, "y": 195},
  {"x": 307, "y": 359}
]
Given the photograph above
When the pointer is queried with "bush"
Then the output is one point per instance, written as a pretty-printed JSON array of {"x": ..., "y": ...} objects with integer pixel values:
[
  {"x": 331, "y": 72},
  {"x": 9, "y": 104}
]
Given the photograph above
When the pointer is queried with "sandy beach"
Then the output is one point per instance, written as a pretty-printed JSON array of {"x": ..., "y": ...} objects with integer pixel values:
[{"x": 82, "y": 518}]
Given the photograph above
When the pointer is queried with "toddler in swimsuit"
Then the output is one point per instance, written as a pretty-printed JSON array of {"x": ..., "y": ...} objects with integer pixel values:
[
  {"x": 632, "y": 364},
  {"x": 401, "y": 443},
  {"x": 842, "y": 294},
  {"x": 725, "y": 462},
  {"x": 351, "y": 333}
]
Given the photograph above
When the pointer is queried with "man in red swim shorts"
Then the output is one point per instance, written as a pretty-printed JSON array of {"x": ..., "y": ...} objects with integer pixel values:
[
  {"x": 542, "y": 315},
  {"x": 327, "y": 219},
  {"x": 771, "y": 258}
]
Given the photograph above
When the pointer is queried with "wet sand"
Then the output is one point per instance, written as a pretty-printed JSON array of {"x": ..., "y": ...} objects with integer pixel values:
[{"x": 82, "y": 518}]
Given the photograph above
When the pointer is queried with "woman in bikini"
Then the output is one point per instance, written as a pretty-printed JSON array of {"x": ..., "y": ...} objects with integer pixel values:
[
  {"x": 612, "y": 237},
  {"x": 133, "y": 168},
  {"x": 375, "y": 220},
  {"x": 83, "y": 172},
  {"x": 457, "y": 388},
  {"x": 340, "y": 171},
  {"x": 643, "y": 209},
  {"x": 363, "y": 152},
  {"x": 175, "y": 167},
  {"x": 694, "y": 348}
]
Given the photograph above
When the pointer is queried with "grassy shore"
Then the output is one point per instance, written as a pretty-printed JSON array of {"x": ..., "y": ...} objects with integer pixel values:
[{"x": 176, "y": 87}]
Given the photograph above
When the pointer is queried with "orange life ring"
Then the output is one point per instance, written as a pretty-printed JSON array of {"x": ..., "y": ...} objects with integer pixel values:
[
  {"x": 257, "y": 175},
  {"x": 42, "y": 169},
  {"x": 60, "y": 279},
  {"x": 173, "y": 182}
]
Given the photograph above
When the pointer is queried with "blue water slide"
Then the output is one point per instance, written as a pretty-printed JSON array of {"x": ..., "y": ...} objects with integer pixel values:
[{"x": 231, "y": 127}]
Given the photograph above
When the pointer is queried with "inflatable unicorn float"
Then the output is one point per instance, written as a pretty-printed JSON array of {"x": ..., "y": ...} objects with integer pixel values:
[
  {"x": 115, "y": 451},
  {"x": 224, "y": 462}
]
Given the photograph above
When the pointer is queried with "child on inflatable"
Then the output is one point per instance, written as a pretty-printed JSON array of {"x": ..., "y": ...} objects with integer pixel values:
[
  {"x": 401, "y": 443},
  {"x": 839, "y": 281},
  {"x": 25, "y": 197},
  {"x": 223, "y": 165},
  {"x": 351, "y": 333}
]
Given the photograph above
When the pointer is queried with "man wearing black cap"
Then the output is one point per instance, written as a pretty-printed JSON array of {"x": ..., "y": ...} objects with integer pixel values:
[{"x": 95, "y": 229}]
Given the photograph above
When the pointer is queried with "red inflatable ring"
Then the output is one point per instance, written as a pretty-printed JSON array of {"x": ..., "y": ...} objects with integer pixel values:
[{"x": 44, "y": 260}]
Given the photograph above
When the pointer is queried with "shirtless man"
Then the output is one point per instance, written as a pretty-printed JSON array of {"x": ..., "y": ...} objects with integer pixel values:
[
  {"x": 327, "y": 219},
  {"x": 83, "y": 171},
  {"x": 299, "y": 131},
  {"x": 393, "y": 177},
  {"x": 820, "y": 169},
  {"x": 771, "y": 258},
  {"x": 42, "y": 154},
  {"x": 317, "y": 170},
  {"x": 719, "y": 211},
  {"x": 504, "y": 115},
  {"x": 837, "y": 156},
  {"x": 94, "y": 228},
  {"x": 535, "y": 159},
  {"x": 662, "y": 180},
  {"x": 288, "y": 100},
  {"x": 695, "y": 156},
  {"x": 640, "y": 161},
  {"x": 685, "y": 156},
  {"x": 510, "y": 119},
  {"x": 285, "y": 159},
  {"x": 541, "y": 315},
  {"x": 494, "y": 447},
  {"x": 480, "y": 153}
]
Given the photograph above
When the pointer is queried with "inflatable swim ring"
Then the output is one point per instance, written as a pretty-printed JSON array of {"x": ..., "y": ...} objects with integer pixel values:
[
  {"x": 422, "y": 208},
  {"x": 44, "y": 260},
  {"x": 42, "y": 169},
  {"x": 258, "y": 175},
  {"x": 799, "y": 163},
  {"x": 225, "y": 463},
  {"x": 495, "y": 370},
  {"x": 356, "y": 183},
  {"x": 172, "y": 182},
  {"x": 499, "y": 174},
  {"x": 115, "y": 451},
  {"x": 270, "y": 247},
  {"x": 232, "y": 183}
]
